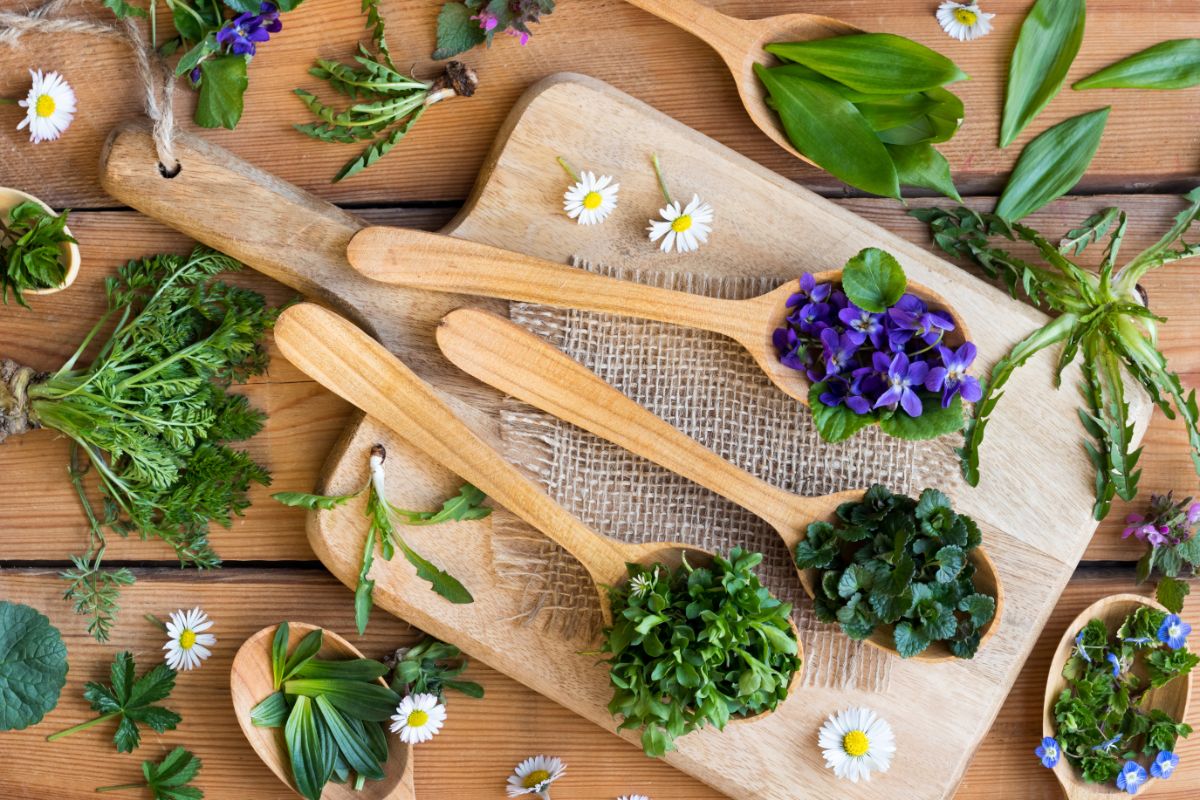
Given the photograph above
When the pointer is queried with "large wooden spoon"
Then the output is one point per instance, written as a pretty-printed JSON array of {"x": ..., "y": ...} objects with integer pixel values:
[
  {"x": 507, "y": 357},
  {"x": 420, "y": 260},
  {"x": 250, "y": 681},
  {"x": 343, "y": 359},
  {"x": 1174, "y": 698},
  {"x": 740, "y": 44}
]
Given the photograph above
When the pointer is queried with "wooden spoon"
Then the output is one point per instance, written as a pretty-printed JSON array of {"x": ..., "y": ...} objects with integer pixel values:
[
  {"x": 509, "y": 358},
  {"x": 343, "y": 359},
  {"x": 421, "y": 260},
  {"x": 1174, "y": 698},
  {"x": 740, "y": 44},
  {"x": 250, "y": 681}
]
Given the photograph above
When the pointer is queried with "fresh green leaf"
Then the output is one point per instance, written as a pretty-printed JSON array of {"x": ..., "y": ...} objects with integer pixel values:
[
  {"x": 835, "y": 423},
  {"x": 169, "y": 778},
  {"x": 33, "y": 666},
  {"x": 1173, "y": 64},
  {"x": 910, "y": 641},
  {"x": 369, "y": 702},
  {"x": 194, "y": 57},
  {"x": 430, "y": 667},
  {"x": 308, "y": 648},
  {"x": 1172, "y": 592},
  {"x": 313, "y": 502},
  {"x": 873, "y": 280},
  {"x": 934, "y": 421},
  {"x": 311, "y": 749},
  {"x": 829, "y": 130},
  {"x": 980, "y": 607},
  {"x": 279, "y": 651},
  {"x": 1052, "y": 164},
  {"x": 223, "y": 83},
  {"x": 32, "y": 242},
  {"x": 922, "y": 165},
  {"x": 130, "y": 702},
  {"x": 353, "y": 747},
  {"x": 950, "y": 560},
  {"x": 271, "y": 712},
  {"x": 123, "y": 9},
  {"x": 356, "y": 669},
  {"x": 440, "y": 581},
  {"x": 879, "y": 63},
  {"x": 456, "y": 31},
  {"x": 1050, "y": 38}
]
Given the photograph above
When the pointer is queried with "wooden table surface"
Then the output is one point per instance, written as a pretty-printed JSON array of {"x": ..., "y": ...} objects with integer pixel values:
[{"x": 1150, "y": 153}]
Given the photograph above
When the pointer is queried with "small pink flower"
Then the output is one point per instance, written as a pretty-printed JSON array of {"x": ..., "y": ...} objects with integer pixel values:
[
  {"x": 487, "y": 20},
  {"x": 1155, "y": 537},
  {"x": 522, "y": 35},
  {"x": 1193, "y": 513}
]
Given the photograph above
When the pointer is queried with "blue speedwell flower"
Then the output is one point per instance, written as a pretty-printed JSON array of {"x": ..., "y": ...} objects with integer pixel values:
[
  {"x": 1108, "y": 744},
  {"x": 1174, "y": 631},
  {"x": 1164, "y": 765},
  {"x": 245, "y": 32},
  {"x": 1131, "y": 777},
  {"x": 1049, "y": 752},
  {"x": 1082, "y": 648},
  {"x": 1116, "y": 663}
]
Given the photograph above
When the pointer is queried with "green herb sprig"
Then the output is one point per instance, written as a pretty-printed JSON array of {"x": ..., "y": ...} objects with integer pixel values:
[
  {"x": 332, "y": 713},
  {"x": 151, "y": 416},
  {"x": 695, "y": 646},
  {"x": 431, "y": 667},
  {"x": 1100, "y": 717},
  {"x": 129, "y": 700},
  {"x": 383, "y": 518},
  {"x": 1101, "y": 320},
  {"x": 31, "y": 250},
  {"x": 895, "y": 561},
  {"x": 168, "y": 779},
  {"x": 390, "y": 103},
  {"x": 868, "y": 109}
]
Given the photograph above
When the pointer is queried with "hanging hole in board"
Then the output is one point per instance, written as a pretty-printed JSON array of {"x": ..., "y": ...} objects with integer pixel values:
[{"x": 170, "y": 173}]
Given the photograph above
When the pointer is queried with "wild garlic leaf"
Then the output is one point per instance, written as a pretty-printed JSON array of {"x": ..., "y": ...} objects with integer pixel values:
[
  {"x": 132, "y": 701},
  {"x": 311, "y": 749},
  {"x": 922, "y": 165},
  {"x": 168, "y": 779},
  {"x": 272, "y": 712},
  {"x": 1049, "y": 41},
  {"x": 1052, "y": 164},
  {"x": 308, "y": 648},
  {"x": 369, "y": 702},
  {"x": 1173, "y": 64},
  {"x": 829, "y": 130},
  {"x": 879, "y": 63},
  {"x": 33, "y": 666}
]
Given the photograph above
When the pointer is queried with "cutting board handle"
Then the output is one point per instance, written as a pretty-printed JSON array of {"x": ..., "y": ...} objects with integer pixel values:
[{"x": 343, "y": 359}]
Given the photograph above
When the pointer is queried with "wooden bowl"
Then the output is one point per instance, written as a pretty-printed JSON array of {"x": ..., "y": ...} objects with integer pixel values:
[
  {"x": 250, "y": 681},
  {"x": 1174, "y": 698},
  {"x": 10, "y": 199}
]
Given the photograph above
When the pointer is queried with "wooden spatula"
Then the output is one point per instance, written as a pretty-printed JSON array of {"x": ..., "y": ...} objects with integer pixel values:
[
  {"x": 740, "y": 44},
  {"x": 343, "y": 359},
  {"x": 509, "y": 358},
  {"x": 420, "y": 260}
]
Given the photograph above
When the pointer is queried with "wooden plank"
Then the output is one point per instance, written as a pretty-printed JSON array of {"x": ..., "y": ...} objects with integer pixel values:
[
  {"x": 1150, "y": 139},
  {"x": 481, "y": 741},
  {"x": 47, "y": 524}
]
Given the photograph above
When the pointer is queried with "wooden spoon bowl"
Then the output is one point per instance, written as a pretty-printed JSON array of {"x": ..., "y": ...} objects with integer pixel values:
[
  {"x": 740, "y": 44},
  {"x": 1174, "y": 698},
  {"x": 250, "y": 681},
  {"x": 421, "y": 260},
  {"x": 508, "y": 358}
]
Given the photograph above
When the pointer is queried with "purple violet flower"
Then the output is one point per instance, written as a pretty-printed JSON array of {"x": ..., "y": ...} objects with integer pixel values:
[
  {"x": 952, "y": 378},
  {"x": 863, "y": 321},
  {"x": 245, "y": 32},
  {"x": 902, "y": 376},
  {"x": 839, "y": 350},
  {"x": 809, "y": 290},
  {"x": 913, "y": 318}
]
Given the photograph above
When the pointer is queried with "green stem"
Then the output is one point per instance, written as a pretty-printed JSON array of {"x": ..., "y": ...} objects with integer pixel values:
[
  {"x": 171, "y": 4},
  {"x": 156, "y": 622},
  {"x": 9, "y": 101},
  {"x": 83, "y": 726},
  {"x": 120, "y": 787},
  {"x": 562, "y": 162},
  {"x": 662, "y": 183}
]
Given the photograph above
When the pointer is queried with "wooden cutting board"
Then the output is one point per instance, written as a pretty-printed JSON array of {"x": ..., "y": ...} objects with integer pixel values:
[{"x": 1037, "y": 483}]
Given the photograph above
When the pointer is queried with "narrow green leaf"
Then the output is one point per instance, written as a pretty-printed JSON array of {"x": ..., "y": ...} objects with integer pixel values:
[
  {"x": 310, "y": 748},
  {"x": 369, "y": 702},
  {"x": 879, "y": 63},
  {"x": 313, "y": 502},
  {"x": 1049, "y": 41},
  {"x": 279, "y": 648},
  {"x": 830, "y": 131},
  {"x": 309, "y": 646},
  {"x": 922, "y": 165},
  {"x": 271, "y": 712},
  {"x": 1173, "y": 64},
  {"x": 355, "y": 669},
  {"x": 441, "y": 581},
  {"x": 354, "y": 748},
  {"x": 1052, "y": 164}
]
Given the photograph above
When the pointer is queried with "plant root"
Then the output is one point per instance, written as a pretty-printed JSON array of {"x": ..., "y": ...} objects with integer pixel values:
[{"x": 16, "y": 416}]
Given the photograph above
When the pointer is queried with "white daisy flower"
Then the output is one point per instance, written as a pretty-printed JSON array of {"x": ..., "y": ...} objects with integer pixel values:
[
  {"x": 633, "y": 797},
  {"x": 855, "y": 742},
  {"x": 964, "y": 21},
  {"x": 685, "y": 228},
  {"x": 534, "y": 776},
  {"x": 640, "y": 584},
  {"x": 590, "y": 200},
  {"x": 188, "y": 644},
  {"x": 418, "y": 718},
  {"x": 50, "y": 107}
]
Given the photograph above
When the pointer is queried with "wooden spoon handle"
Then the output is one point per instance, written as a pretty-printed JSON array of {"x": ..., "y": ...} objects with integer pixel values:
[
  {"x": 421, "y": 260},
  {"x": 718, "y": 30},
  {"x": 349, "y": 363},
  {"x": 507, "y": 357}
]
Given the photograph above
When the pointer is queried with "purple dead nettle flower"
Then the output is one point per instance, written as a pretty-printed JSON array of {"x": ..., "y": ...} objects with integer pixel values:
[
  {"x": 951, "y": 378},
  {"x": 487, "y": 20},
  {"x": 245, "y": 32},
  {"x": 902, "y": 376},
  {"x": 1167, "y": 523}
]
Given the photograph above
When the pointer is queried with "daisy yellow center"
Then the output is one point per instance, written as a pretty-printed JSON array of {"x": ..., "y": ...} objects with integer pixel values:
[
  {"x": 966, "y": 16},
  {"x": 418, "y": 718},
  {"x": 681, "y": 223},
  {"x": 187, "y": 639},
  {"x": 856, "y": 743},
  {"x": 534, "y": 778},
  {"x": 592, "y": 200},
  {"x": 45, "y": 105}
]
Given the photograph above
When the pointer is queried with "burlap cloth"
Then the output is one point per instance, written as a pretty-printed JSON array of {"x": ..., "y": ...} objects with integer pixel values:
[{"x": 710, "y": 388}]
